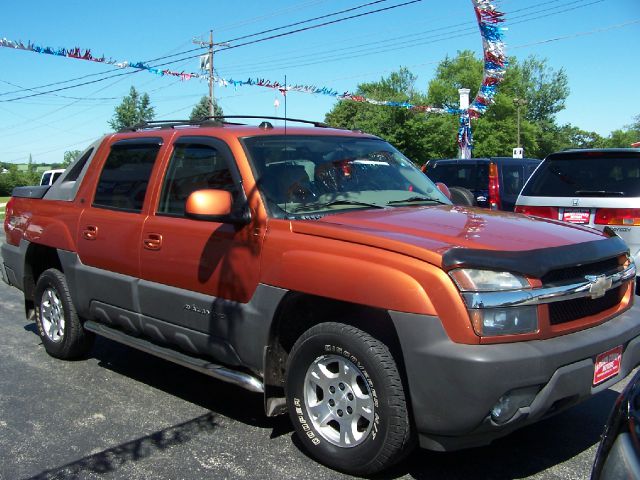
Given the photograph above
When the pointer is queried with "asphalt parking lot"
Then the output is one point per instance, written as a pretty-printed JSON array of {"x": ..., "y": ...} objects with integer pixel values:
[{"x": 124, "y": 414}]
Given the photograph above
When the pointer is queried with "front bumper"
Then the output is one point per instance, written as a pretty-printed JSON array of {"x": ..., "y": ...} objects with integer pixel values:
[{"x": 453, "y": 387}]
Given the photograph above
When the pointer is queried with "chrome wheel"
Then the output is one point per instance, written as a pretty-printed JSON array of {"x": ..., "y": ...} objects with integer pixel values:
[
  {"x": 338, "y": 400},
  {"x": 52, "y": 315}
]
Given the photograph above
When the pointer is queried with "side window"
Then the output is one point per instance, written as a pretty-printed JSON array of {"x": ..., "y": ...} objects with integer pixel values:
[
  {"x": 512, "y": 179},
  {"x": 74, "y": 173},
  {"x": 193, "y": 167},
  {"x": 125, "y": 176}
]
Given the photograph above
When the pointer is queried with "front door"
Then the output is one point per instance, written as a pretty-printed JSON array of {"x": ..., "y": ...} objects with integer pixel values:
[{"x": 197, "y": 274}]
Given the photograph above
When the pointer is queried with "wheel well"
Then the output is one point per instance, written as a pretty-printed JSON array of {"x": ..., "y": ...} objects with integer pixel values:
[
  {"x": 37, "y": 259},
  {"x": 299, "y": 312}
]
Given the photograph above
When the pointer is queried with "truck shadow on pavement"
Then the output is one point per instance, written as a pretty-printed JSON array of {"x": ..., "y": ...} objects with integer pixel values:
[
  {"x": 111, "y": 459},
  {"x": 545, "y": 445},
  {"x": 199, "y": 389}
]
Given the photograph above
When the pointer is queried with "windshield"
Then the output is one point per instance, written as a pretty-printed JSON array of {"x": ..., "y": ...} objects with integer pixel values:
[
  {"x": 317, "y": 175},
  {"x": 582, "y": 176}
]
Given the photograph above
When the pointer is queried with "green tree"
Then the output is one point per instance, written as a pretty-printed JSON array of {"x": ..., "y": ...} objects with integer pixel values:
[
  {"x": 405, "y": 129},
  {"x": 15, "y": 178},
  {"x": 201, "y": 109},
  {"x": 422, "y": 136},
  {"x": 133, "y": 110},
  {"x": 69, "y": 157}
]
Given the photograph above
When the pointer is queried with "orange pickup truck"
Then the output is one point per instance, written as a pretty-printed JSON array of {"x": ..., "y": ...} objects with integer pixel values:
[{"x": 320, "y": 268}]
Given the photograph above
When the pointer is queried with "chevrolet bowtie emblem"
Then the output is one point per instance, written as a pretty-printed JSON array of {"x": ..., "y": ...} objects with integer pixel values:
[{"x": 599, "y": 285}]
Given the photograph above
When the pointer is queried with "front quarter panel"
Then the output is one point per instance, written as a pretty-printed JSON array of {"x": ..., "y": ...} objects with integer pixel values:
[{"x": 362, "y": 275}]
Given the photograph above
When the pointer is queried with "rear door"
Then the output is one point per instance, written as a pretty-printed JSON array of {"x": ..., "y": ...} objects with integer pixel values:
[{"x": 110, "y": 227}]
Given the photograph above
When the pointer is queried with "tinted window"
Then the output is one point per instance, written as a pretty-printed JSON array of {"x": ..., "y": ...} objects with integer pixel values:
[
  {"x": 602, "y": 176},
  {"x": 468, "y": 175},
  {"x": 193, "y": 167},
  {"x": 45, "y": 178},
  {"x": 125, "y": 177},
  {"x": 512, "y": 179},
  {"x": 78, "y": 166}
]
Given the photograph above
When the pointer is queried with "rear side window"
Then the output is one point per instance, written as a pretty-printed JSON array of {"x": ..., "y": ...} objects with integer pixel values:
[
  {"x": 512, "y": 179},
  {"x": 471, "y": 176},
  {"x": 125, "y": 177},
  {"x": 584, "y": 176}
]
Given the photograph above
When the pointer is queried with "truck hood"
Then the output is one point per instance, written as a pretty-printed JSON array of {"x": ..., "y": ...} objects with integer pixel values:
[{"x": 429, "y": 232}]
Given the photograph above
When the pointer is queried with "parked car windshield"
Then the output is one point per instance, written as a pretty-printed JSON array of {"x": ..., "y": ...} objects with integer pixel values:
[
  {"x": 581, "y": 175},
  {"x": 315, "y": 175}
]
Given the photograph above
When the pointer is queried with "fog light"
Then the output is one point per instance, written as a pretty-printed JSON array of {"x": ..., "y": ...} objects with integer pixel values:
[
  {"x": 510, "y": 402},
  {"x": 504, "y": 321}
]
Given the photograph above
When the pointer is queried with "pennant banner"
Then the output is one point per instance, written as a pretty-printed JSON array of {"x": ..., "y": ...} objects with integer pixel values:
[
  {"x": 495, "y": 63},
  {"x": 85, "y": 54}
]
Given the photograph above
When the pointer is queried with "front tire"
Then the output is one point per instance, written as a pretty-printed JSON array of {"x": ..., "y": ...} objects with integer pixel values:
[
  {"x": 58, "y": 324},
  {"x": 346, "y": 399}
]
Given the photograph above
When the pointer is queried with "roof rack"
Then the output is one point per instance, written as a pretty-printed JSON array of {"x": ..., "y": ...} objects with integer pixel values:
[
  {"x": 216, "y": 120},
  {"x": 260, "y": 117}
]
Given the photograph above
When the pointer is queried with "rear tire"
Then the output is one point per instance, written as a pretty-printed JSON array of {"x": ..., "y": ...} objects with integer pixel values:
[
  {"x": 462, "y": 196},
  {"x": 346, "y": 399},
  {"x": 58, "y": 324}
]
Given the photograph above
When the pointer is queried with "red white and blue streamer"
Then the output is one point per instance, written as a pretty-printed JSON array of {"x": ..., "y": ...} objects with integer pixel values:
[{"x": 495, "y": 63}]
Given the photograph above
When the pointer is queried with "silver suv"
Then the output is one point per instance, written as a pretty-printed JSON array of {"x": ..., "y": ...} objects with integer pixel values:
[{"x": 596, "y": 188}]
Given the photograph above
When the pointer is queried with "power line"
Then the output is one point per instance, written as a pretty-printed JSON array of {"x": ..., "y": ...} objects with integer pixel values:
[
  {"x": 109, "y": 71},
  {"x": 275, "y": 13},
  {"x": 362, "y": 50},
  {"x": 332, "y": 22},
  {"x": 357, "y": 7},
  {"x": 269, "y": 59},
  {"x": 60, "y": 96}
]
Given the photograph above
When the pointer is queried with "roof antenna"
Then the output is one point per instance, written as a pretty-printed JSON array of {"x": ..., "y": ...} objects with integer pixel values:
[{"x": 285, "y": 104}]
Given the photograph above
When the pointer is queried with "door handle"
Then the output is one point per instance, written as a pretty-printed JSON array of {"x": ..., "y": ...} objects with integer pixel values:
[
  {"x": 153, "y": 241},
  {"x": 90, "y": 232}
]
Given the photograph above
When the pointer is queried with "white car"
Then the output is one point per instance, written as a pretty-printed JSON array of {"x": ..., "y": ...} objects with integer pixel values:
[
  {"x": 598, "y": 188},
  {"x": 50, "y": 176}
]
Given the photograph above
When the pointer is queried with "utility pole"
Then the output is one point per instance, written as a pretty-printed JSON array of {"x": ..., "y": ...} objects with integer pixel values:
[
  {"x": 211, "y": 72},
  {"x": 210, "y": 44},
  {"x": 519, "y": 102}
]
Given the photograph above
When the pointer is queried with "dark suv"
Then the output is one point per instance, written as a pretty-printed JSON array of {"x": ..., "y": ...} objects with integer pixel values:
[{"x": 486, "y": 182}]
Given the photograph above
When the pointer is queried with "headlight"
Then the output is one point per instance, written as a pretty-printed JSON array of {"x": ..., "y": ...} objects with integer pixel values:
[
  {"x": 472, "y": 280},
  {"x": 491, "y": 322}
]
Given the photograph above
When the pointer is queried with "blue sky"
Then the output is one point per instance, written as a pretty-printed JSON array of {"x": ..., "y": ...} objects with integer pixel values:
[{"x": 595, "y": 41}]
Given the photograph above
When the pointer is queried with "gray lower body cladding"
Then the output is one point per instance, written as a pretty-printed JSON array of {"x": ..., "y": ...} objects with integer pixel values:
[
  {"x": 13, "y": 264},
  {"x": 230, "y": 332},
  {"x": 453, "y": 387}
]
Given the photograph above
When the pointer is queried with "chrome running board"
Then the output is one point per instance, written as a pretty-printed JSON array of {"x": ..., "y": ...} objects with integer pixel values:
[{"x": 219, "y": 372}]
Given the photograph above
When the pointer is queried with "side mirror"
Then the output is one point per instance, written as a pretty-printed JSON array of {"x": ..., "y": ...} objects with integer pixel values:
[
  {"x": 444, "y": 189},
  {"x": 214, "y": 206}
]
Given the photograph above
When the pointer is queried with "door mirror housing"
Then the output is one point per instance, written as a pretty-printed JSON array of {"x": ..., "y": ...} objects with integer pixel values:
[{"x": 215, "y": 206}]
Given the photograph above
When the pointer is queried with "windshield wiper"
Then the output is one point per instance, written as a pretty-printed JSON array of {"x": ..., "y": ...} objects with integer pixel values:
[
  {"x": 598, "y": 192},
  {"x": 318, "y": 206},
  {"x": 417, "y": 199}
]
